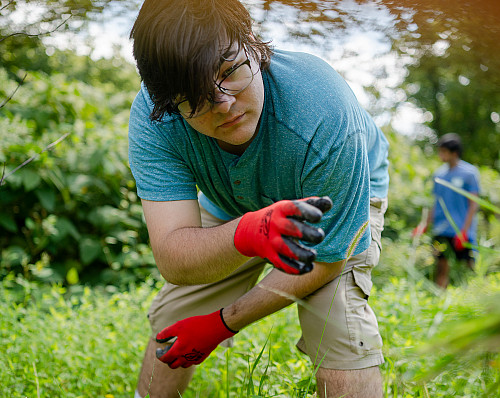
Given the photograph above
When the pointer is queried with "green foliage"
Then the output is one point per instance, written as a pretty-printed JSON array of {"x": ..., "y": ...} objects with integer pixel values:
[
  {"x": 25, "y": 23},
  {"x": 72, "y": 213},
  {"x": 419, "y": 329}
]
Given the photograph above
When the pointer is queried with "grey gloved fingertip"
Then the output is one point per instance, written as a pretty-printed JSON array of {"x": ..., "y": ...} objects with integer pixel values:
[
  {"x": 161, "y": 351},
  {"x": 324, "y": 204},
  {"x": 321, "y": 234},
  {"x": 328, "y": 201},
  {"x": 306, "y": 267},
  {"x": 314, "y": 235}
]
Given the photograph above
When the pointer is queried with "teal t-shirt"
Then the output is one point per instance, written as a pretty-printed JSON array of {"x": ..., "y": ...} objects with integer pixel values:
[{"x": 314, "y": 140}]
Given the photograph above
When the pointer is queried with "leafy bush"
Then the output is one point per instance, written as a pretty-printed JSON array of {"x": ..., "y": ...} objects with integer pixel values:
[
  {"x": 72, "y": 213},
  {"x": 419, "y": 330}
]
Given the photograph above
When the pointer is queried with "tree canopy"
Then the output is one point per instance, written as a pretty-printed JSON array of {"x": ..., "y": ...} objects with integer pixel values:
[
  {"x": 452, "y": 52},
  {"x": 454, "y": 73}
]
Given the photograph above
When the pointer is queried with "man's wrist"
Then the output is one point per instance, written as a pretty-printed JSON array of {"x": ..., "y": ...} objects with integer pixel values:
[
  {"x": 232, "y": 330},
  {"x": 230, "y": 320}
]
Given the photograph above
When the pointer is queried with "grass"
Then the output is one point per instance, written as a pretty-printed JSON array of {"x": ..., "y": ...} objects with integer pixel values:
[{"x": 89, "y": 343}]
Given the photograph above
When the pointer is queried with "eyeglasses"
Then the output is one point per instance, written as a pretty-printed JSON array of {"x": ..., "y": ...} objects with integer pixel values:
[{"x": 234, "y": 80}]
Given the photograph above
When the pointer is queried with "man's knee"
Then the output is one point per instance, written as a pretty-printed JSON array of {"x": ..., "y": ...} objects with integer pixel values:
[{"x": 358, "y": 383}]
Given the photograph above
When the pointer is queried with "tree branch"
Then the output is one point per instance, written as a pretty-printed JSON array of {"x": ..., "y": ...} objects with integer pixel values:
[
  {"x": 6, "y": 5},
  {"x": 36, "y": 34},
  {"x": 47, "y": 148},
  {"x": 17, "y": 88}
]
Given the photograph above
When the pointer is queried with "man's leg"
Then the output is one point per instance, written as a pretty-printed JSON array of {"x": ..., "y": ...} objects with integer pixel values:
[
  {"x": 349, "y": 344},
  {"x": 174, "y": 303},
  {"x": 443, "y": 270},
  {"x": 342, "y": 330},
  {"x": 158, "y": 380},
  {"x": 361, "y": 383}
]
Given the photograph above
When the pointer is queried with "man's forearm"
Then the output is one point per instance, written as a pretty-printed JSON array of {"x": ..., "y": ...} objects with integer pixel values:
[
  {"x": 276, "y": 291},
  {"x": 430, "y": 217},
  {"x": 473, "y": 206},
  {"x": 192, "y": 256}
]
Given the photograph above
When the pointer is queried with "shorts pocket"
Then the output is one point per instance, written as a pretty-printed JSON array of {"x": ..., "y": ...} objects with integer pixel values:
[
  {"x": 376, "y": 227},
  {"x": 364, "y": 336},
  {"x": 374, "y": 250},
  {"x": 363, "y": 280}
]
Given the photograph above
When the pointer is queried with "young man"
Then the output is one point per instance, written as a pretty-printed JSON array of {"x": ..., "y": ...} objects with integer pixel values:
[
  {"x": 461, "y": 209},
  {"x": 270, "y": 141}
]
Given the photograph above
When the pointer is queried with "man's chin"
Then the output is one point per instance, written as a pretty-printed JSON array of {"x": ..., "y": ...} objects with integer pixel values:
[{"x": 235, "y": 145}]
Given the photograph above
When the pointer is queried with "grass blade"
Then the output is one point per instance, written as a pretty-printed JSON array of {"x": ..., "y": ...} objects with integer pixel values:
[{"x": 468, "y": 195}]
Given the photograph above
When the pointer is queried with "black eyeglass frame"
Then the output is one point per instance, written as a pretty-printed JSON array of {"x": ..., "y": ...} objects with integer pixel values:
[{"x": 221, "y": 89}]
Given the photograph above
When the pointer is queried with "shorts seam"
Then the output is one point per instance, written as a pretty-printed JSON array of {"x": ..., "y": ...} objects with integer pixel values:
[
  {"x": 372, "y": 359},
  {"x": 351, "y": 320}
]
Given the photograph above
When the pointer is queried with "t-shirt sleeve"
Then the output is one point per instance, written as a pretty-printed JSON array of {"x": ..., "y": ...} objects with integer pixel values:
[
  {"x": 343, "y": 175},
  {"x": 439, "y": 173},
  {"x": 472, "y": 182},
  {"x": 160, "y": 172}
]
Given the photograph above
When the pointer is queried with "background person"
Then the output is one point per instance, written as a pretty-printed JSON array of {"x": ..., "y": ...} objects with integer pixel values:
[
  {"x": 257, "y": 132},
  {"x": 463, "y": 211}
]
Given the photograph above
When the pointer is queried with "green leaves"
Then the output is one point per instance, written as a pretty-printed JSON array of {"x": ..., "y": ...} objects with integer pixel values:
[
  {"x": 30, "y": 179},
  {"x": 90, "y": 249},
  {"x": 82, "y": 342},
  {"x": 69, "y": 195},
  {"x": 7, "y": 222},
  {"x": 47, "y": 199}
]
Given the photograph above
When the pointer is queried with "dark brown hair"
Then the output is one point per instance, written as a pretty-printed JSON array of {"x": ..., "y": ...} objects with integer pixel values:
[
  {"x": 452, "y": 142},
  {"x": 178, "y": 46}
]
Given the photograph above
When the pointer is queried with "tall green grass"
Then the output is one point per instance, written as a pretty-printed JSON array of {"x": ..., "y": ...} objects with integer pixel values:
[
  {"x": 89, "y": 343},
  {"x": 55, "y": 344}
]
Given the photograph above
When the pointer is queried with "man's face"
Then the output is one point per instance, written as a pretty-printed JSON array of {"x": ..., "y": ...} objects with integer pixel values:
[
  {"x": 445, "y": 154},
  {"x": 234, "y": 119}
]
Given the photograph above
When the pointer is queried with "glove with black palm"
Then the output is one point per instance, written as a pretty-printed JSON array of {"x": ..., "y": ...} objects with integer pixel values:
[{"x": 274, "y": 231}]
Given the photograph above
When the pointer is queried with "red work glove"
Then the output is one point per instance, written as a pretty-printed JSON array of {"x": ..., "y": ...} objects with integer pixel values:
[
  {"x": 419, "y": 230},
  {"x": 459, "y": 240},
  {"x": 273, "y": 233},
  {"x": 197, "y": 337}
]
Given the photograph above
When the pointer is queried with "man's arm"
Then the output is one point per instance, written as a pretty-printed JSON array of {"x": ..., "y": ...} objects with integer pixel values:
[
  {"x": 276, "y": 291},
  {"x": 186, "y": 253},
  {"x": 191, "y": 340},
  {"x": 471, "y": 211}
]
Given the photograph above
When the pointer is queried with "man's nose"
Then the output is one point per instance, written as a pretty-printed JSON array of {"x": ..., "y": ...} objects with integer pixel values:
[{"x": 223, "y": 103}]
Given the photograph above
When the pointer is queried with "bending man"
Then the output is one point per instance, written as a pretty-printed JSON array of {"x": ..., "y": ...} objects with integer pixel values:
[{"x": 236, "y": 149}]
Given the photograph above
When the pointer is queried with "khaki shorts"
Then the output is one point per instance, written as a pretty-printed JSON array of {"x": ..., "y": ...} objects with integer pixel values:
[{"x": 351, "y": 339}]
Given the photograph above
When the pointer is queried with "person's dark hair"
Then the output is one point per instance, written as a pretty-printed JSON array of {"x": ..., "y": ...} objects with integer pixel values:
[
  {"x": 178, "y": 46},
  {"x": 452, "y": 142}
]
